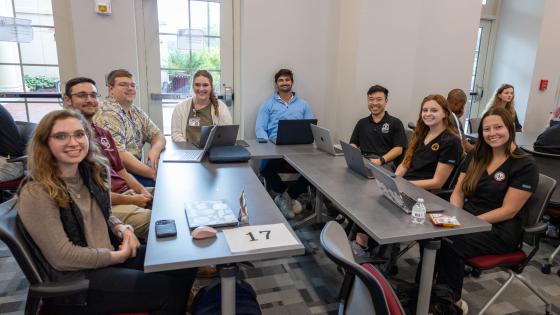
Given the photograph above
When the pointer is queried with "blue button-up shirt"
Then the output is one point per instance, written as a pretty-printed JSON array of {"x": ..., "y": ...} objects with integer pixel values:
[{"x": 274, "y": 109}]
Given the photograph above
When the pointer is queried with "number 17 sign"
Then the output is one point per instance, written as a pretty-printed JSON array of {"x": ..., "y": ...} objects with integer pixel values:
[{"x": 255, "y": 237}]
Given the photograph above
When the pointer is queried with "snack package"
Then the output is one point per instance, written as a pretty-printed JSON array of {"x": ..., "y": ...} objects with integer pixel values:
[{"x": 443, "y": 220}]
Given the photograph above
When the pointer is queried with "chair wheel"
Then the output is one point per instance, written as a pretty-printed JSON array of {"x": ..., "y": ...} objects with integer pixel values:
[
  {"x": 545, "y": 269},
  {"x": 475, "y": 273}
]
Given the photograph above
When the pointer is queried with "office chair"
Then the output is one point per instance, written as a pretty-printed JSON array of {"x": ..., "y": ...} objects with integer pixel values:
[
  {"x": 514, "y": 262},
  {"x": 474, "y": 123},
  {"x": 364, "y": 289},
  {"x": 8, "y": 188},
  {"x": 549, "y": 164}
]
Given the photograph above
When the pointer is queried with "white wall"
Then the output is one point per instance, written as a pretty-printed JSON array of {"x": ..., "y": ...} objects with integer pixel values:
[
  {"x": 517, "y": 40},
  {"x": 547, "y": 67}
]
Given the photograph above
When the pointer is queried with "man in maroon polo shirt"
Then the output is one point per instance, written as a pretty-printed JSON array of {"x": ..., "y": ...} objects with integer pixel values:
[{"x": 129, "y": 198}]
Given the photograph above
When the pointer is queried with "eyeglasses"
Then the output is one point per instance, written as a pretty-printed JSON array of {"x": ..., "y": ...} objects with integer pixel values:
[
  {"x": 65, "y": 137},
  {"x": 126, "y": 85},
  {"x": 83, "y": 95}
]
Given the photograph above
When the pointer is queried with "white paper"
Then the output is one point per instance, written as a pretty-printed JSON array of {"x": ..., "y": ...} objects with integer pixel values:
[
  {"x": 253, "y": 237},
  {"x": 15, "y": 30}
]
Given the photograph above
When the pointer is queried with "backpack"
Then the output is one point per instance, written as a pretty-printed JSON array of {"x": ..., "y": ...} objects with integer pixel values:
[{"x": 208, "y": 300}]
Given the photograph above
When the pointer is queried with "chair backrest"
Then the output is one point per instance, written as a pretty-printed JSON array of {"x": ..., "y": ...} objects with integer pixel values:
[
  {"x": 537, "y": 203},
  {"x": 369, "y": 292},
  {"x": 25, "y": 130},
  {"x": 10, "y": 235},
  {"x": 474, "y": 123},
  {"x": 548, "y": 164}
]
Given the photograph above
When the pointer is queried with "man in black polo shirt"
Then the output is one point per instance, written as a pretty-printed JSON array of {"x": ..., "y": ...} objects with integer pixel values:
[
  {"x": 11, "y": 145},
  {"x": 380, "y": 136}
]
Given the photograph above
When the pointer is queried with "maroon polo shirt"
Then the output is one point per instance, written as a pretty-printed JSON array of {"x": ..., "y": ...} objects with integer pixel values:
[{"x": 107, "y": 146}]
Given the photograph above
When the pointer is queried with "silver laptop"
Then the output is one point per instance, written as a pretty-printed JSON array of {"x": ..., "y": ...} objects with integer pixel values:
[
  {"x": 386, "y": 182},
  {"x": 355, "y": 160},
  {"x": 225, "y": 135},
  {"x": 190, "y": 156},
  {"x": 323, "y": 140}
]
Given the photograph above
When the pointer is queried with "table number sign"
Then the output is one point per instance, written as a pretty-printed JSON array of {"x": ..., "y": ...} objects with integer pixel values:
[{"x": 253, "y": 237}]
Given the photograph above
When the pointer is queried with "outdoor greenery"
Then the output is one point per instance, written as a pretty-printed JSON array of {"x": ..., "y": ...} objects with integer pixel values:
[
  {"x": 207, "y": 60},
  {"x": 34, "y": 83}
]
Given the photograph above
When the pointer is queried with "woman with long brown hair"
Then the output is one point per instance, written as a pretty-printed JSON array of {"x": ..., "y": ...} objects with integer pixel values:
[
  {"x": 503, "y": 97},
  {"x": 494, "y": 184},
  {"x": 202, "y": 109},
  {"x": 435, "y": 148},
  {"x": 64, "y": 213}
]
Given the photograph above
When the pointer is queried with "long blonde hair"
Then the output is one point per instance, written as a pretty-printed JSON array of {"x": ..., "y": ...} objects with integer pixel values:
[
  {"x": 43, "y": 166},
  {"x": 421, "y": 129},
  {"x": 493, "y": 102},
  {"x": 483, "y": 153}
]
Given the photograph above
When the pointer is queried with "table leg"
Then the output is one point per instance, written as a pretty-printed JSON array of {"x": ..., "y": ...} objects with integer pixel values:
[
  {"x": 316, "y": 216},
  {"x": 427, "y": 275},
  {"x": 227, "y": 277}
]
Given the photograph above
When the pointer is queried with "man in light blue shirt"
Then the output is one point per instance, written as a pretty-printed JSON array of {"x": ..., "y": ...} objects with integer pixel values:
[{"x": 283, "y": 105}]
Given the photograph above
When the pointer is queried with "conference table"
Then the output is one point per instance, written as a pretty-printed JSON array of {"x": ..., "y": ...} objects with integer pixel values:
[
  {"x": 357, "y": 197},
  {"x": 178, "y": 183}
]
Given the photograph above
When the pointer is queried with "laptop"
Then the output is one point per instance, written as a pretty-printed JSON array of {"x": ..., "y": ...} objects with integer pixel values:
[
  {"x": 323, "y": 140},
  {"x": 294, "y": 131},
  {"x": 355, "y": 160},
  {"x": 190, "y": 156},
  {"x": 225, "y": 135},
  {"x": 391, "y": 191}
]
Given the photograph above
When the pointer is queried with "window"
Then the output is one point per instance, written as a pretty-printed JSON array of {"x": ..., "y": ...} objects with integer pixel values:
[{"x": 30, "y": 66}]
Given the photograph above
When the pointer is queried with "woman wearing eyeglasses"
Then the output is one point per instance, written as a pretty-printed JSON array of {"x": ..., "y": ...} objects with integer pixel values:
[
  {"x": 64, "y": 212},
  {"x": 202, "y": 109}
]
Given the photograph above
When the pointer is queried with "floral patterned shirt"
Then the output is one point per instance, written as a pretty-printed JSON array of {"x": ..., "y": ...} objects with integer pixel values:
[{"x": 130, "y": 132}]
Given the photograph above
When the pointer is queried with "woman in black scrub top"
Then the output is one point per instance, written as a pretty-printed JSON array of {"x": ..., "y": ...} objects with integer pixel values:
[
  {"x": 495, "y": 182},
  {"x": 435, "y": 149}
]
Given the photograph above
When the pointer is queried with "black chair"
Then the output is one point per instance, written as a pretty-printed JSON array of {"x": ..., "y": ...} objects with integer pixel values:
[
  {"x": 549, "y": 164},
  {"x": 514, "y": 262},
  {"x": 39, "y": 288},
  {"x": 364, "y": 289}
]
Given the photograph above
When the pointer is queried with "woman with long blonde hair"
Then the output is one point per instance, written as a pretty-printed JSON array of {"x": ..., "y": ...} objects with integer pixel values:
[
  {"x": 64, "y": 214},
  {"x": 435, "y": 148},
  {"x": 503, "y": 97},
  {"x": 494, "y": 184},
  {"x": 202, "y": 109}
]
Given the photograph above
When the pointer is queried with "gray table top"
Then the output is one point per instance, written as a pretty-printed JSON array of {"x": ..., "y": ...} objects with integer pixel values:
[
  {"x": 271, "y": 151},
  {"x": 365, "y": 204},
  {"x": 178, "y": 183}
]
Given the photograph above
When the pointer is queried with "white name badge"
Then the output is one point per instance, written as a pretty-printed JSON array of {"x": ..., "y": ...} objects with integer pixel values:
[
  {"x": 194, "y": 122},
  {"x": 253, "y": 237}
]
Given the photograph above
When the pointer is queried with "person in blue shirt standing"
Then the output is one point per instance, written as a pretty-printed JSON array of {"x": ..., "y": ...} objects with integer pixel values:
[{"x": 284, "y": 104}]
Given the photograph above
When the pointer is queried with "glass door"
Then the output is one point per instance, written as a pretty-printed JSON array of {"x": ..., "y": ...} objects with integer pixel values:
[{"x": 191, "y": 35}]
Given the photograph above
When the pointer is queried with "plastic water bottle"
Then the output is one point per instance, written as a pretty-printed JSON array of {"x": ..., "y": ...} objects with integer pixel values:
[{"x": 419, "y": 212}]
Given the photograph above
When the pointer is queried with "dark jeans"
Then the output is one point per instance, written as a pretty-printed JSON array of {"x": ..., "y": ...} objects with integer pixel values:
[
  {"x": 145, "y": 181},
  {"x": 126, "y": 288},
  {"x": 450, "y": 259},
  {"x": 270, "y": 173}
]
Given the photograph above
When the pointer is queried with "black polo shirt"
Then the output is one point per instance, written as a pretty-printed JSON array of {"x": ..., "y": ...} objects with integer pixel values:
[
  {"x": 378, "y": 138},
  {"x": 445, "y": 148},
  {"x": 549, "y": 140},
  {"x": 10, "y": 141},
  {"x": 521, "y": 173}
]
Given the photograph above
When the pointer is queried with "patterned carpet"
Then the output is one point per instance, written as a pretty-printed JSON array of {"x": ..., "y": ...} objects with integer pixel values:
[{"x": 309, "y": 284}]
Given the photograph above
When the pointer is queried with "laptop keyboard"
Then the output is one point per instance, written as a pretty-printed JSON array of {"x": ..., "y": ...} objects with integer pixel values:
[
  {"x": 408, "y": 201},
  {"x": 192, "y": 154}
]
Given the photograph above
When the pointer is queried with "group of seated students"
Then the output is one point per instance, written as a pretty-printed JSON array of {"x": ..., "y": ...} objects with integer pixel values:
[{"x": 86, "y": 173}]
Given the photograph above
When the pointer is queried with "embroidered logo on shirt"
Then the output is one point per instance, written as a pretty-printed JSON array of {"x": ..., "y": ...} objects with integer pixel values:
[
  {"x": 385, "y": 128},
  {"x": 105, "y": 142},
  {"x": 435, "y": 146},
  {"x": 499, "y": 176}
]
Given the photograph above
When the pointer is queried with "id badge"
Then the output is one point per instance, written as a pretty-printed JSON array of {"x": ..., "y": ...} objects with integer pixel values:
[{"x": 194, "y": 122}]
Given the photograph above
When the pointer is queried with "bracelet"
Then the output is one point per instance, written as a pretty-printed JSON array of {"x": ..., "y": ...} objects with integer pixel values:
[{"x": 382, "y": 159}]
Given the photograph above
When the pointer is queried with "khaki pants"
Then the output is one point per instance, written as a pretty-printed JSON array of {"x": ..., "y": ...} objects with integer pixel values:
[
  {"x": 9, "y": 171},
  {"x": 137, "y": 217}
]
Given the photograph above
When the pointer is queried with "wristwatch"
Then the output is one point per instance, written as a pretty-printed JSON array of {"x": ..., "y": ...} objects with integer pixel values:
[
  {"x": 382, "y": 159},
  {"x": 120, "y": 232}
]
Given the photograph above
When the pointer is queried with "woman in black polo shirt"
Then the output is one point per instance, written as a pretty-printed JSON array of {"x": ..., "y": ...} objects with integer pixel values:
[
  {"x": 435, "y": 149},
  {"x": 495, "y": 182}
]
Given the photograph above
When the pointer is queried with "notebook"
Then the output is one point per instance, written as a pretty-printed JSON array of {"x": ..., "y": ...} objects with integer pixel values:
[{"x": 215, "y": 213}]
